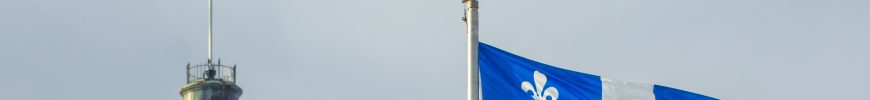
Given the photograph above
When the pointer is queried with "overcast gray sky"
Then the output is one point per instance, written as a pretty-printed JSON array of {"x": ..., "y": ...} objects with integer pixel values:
[{"x": 415, "y": 49}]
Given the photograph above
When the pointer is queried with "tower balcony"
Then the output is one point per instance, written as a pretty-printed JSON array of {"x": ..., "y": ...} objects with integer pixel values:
[{"x": 211, "y": 71}]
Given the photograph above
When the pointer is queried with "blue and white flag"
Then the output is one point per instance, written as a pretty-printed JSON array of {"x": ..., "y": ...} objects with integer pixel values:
[{"x": 505, "y": 76}]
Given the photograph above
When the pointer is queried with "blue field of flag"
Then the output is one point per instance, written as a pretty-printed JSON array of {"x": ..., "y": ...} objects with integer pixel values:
[{"x": 505, "y": 76}]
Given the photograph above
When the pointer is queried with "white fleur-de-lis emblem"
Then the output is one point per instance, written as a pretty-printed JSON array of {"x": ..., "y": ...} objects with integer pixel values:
[{"x": 538, "y": 91}]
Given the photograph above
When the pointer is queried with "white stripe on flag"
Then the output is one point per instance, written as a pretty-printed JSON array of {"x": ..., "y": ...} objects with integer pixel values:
[{"x": 624, "y": 90}]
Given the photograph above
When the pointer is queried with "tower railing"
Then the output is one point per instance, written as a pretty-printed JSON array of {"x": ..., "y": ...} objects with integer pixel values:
[{"x": 199, "y": 72}]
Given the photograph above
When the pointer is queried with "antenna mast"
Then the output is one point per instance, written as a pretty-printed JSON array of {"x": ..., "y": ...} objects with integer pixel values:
[{"x": 209, "y": 31}]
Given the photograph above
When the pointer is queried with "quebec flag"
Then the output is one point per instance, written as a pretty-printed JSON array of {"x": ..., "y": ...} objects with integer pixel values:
[{"x": 505, "y": 76}]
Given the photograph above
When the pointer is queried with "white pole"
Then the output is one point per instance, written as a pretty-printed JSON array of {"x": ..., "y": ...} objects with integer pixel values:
[
  {"x": 473, "y": 70},
  {"x": 209, "y": 31}
]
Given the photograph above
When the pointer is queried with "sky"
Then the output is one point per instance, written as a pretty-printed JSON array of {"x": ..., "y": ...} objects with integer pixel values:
[{"x": 415, "y": 49}]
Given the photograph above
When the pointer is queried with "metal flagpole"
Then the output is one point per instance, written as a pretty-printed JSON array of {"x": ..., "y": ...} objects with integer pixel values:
[{"x": 473, "y": 70}]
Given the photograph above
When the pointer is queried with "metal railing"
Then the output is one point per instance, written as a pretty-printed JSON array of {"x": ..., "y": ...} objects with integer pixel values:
[{"x": 221, "y": 72}]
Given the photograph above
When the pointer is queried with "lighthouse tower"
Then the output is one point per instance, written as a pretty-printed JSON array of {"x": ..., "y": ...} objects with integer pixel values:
[{"x": 210, "y": 81}]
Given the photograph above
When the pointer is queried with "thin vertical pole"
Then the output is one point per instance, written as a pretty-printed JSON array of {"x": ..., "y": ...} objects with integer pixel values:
[
  {"x": 209, "y": 31},
  {"x": 473, "y": 70}
]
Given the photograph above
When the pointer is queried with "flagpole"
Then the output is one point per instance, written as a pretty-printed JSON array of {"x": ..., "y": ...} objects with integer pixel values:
[{"x": 472, "y": 32}]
